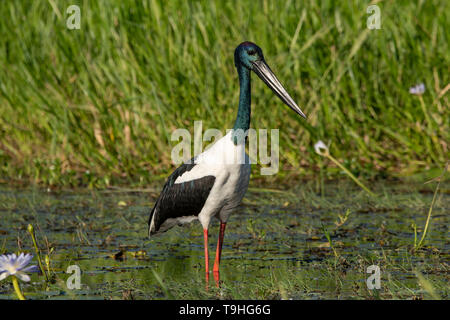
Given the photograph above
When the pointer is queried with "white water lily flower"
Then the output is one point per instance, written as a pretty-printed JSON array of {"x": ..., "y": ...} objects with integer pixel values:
[
  {"x": 12, "y": 265},
  {"x": 321, "y": 148},
  {"x": 418, "y": 89}
]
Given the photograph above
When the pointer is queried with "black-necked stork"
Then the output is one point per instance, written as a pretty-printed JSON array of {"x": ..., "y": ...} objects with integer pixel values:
[{"x": 213, "y": 183}]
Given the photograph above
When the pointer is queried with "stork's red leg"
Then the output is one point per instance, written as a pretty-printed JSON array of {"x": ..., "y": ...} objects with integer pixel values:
[
  {"x": 219, "y": 253},
  {"x": 205, "y": 236}
]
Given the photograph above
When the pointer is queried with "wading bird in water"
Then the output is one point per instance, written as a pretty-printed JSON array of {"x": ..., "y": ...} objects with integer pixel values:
[{"x": 213, "y": 183}]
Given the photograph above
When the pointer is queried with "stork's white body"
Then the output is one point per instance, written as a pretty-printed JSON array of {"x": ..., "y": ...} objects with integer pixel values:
[{"x": 230, "y": 166}]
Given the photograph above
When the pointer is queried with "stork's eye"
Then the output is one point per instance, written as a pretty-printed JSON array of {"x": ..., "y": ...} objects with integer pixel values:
[{"x": 251, "y": 52}]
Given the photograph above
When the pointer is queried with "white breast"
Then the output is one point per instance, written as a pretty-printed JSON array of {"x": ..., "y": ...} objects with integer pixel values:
[{"x": 230, "y": 165}]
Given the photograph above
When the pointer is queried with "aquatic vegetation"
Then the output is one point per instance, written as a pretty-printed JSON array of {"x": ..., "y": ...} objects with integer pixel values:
[
  {"x": 291, "y": 259},
  {"x": 30, "y": 230},
  {"x": 16, "y": 267},
  {"x": 322, "y": 149},
  {"x": 430, "y": 210}
]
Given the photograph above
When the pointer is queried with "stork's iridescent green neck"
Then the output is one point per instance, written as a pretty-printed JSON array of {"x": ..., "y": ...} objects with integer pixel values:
[{"x": 242, "y": 123}]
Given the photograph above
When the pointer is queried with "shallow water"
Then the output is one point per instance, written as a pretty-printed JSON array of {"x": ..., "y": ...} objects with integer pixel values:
[{"x": 275, "y": 244}]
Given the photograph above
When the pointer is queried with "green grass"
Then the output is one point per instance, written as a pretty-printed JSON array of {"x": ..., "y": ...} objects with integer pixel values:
[{"x": 97, "y": 105}]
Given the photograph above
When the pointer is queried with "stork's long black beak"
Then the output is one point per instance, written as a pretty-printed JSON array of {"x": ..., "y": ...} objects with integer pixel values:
[{"x": 265, "y": 74}]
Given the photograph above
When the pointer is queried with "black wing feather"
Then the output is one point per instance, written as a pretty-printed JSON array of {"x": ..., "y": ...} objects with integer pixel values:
[{"x": 181, "y": 199}]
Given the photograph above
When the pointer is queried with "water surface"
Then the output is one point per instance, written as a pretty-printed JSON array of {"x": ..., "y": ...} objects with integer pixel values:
[{"x": 275, "y": 244}]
